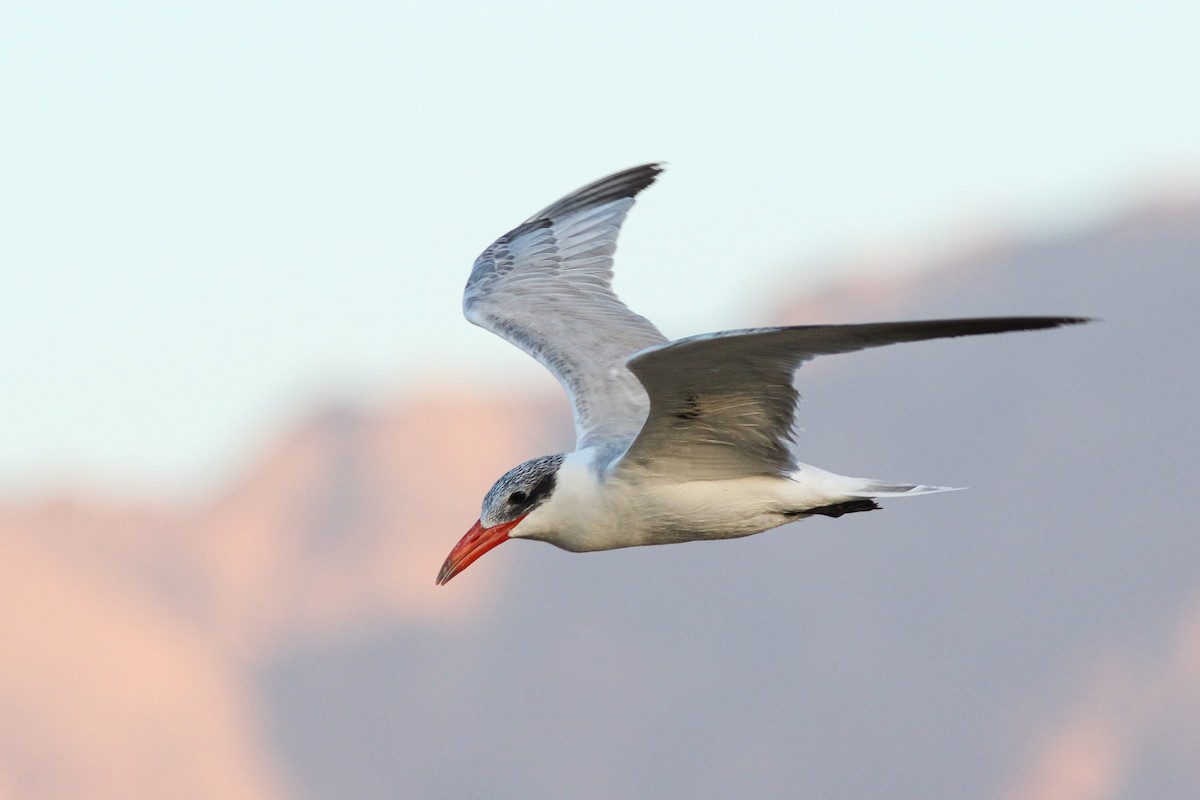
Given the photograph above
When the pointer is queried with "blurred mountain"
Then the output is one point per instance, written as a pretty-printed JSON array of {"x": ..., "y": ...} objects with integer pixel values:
[
  {"x": 133, "y": 632},
  {"x": 1035, "y": 637}
]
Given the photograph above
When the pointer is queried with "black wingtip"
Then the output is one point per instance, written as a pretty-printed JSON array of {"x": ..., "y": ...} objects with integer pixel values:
[
  {"x": 1077, "y": 320},
  {"x": 626, "y": 183},
  {"x": 971, "y": 326},
  {"x": 619, "y": 185},
  {"x": 1010, "y": 324},
  {"x": 1053, "y": 322}
]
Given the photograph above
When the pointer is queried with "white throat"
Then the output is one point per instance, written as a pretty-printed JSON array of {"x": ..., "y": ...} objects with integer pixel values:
[{"x": 580, "y": 515}]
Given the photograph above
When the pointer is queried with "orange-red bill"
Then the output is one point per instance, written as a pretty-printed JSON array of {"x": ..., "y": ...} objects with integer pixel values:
[{"x": 470, "y": 547}]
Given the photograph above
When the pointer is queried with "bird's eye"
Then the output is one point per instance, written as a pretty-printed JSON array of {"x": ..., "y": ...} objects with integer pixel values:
[{"x": 516, "y": 498}]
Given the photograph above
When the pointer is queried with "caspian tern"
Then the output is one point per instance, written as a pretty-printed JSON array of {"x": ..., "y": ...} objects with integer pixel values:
[{"x": 676, "y": 441}]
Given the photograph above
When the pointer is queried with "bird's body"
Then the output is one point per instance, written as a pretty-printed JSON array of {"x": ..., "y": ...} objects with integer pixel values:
[
  {"x": 594, "y": 511},
  {"x": 677, "y": 441},
  {"x": 597, "y": 512}
]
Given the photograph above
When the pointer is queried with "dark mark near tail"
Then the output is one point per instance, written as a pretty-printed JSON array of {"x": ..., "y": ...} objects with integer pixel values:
[{"x": 849, "y": 507}]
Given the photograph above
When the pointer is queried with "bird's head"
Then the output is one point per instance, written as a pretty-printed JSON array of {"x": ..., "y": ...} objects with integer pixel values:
[{"x": 518, "y": 493}]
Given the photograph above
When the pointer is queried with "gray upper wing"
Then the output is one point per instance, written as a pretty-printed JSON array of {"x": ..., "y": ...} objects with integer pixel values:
[
  {"x": 722, "y": 405},
  {"x": 546, "y": 286}
]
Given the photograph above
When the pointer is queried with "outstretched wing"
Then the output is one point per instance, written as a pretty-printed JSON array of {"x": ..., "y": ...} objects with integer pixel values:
[
  {"x": 722, "y": 404},
  {"x": 546, "y": 286}
]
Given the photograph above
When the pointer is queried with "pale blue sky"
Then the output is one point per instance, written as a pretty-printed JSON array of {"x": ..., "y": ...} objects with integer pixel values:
[{"x": 215, "y": 214}]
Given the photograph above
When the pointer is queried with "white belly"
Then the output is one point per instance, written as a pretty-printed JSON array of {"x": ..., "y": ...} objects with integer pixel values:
[{"x": 588, "y": 514}]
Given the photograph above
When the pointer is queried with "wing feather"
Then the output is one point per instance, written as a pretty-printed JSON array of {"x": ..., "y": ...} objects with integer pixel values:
[
  {"x": 546, "y": 286},
  {"x": 722, "y": 405}
]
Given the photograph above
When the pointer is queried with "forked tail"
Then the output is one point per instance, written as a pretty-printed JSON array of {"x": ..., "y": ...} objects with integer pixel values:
[
  {"x": 872, "y": 489},
  {"x": 879, "y": 489}
]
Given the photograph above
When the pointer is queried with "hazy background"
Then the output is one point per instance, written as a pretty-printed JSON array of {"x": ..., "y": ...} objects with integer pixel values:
[{"x": 242, "y": 418}]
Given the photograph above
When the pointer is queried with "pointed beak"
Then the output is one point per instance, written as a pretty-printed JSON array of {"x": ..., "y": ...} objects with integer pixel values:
[{"x": 470, "y": 547}]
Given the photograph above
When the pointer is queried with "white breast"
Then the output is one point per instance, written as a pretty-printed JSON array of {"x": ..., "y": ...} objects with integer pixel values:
[{"x": 588, "y": 513}]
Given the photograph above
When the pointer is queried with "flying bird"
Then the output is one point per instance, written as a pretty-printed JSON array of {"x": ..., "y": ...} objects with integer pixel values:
[{"x": 675, "y": 440}]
